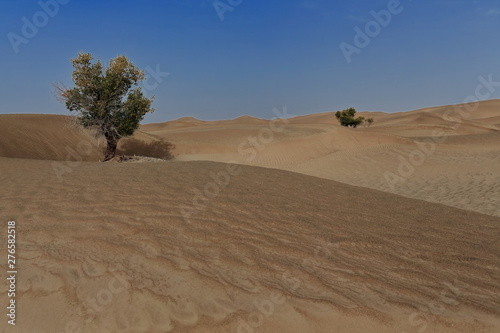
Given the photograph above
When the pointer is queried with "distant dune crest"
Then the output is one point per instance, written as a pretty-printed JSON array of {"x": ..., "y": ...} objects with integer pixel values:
[{"x": 255, "y": 226}]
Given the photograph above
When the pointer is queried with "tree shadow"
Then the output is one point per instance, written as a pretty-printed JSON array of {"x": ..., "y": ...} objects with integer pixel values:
[{"x": 157, "y": 149}]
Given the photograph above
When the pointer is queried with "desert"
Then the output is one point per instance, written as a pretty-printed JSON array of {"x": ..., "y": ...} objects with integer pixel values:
[
  {"x": 234, "y": 166},
  {"x": 255, "y": 225}
]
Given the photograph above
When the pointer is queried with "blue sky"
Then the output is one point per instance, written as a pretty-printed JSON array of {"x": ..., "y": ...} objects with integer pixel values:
[{"x": 261, "y": 55}]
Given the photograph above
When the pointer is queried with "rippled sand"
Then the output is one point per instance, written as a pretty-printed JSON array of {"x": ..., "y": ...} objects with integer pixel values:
[{"x": 200, "y": 246}]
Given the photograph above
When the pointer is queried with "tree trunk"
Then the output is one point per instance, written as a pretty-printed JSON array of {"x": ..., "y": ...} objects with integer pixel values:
[{"x": 110, "y": 149}]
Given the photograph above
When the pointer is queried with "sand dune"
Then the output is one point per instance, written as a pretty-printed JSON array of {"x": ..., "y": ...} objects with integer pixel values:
[
  {"x": 128, "y": 251},
  {"x": 391, "y": 228},
  {"x": 431, "y": 154},
  {"x": 45, "y": 137},
  {"x": 60, "y": 138}
]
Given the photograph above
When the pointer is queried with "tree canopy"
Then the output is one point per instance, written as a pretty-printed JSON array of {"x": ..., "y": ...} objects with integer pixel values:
[
  {"x": 348, "y": 118},
  {"x": 107, "y": 100}
]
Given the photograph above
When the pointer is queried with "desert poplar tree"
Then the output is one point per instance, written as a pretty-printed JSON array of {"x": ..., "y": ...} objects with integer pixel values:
[
  {"x": 348, "y": 118},
  {"x": 109, "y": 101}
]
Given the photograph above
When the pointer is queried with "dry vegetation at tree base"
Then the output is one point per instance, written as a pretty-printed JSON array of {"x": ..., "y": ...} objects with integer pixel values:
[{"x": 332, "y": 246}]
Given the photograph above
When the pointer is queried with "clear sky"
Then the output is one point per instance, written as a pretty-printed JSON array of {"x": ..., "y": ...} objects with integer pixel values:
[{"x": 248, "y": 57}]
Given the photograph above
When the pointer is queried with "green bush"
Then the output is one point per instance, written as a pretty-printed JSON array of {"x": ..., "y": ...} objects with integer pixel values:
[{"x": 347, "y": 118}]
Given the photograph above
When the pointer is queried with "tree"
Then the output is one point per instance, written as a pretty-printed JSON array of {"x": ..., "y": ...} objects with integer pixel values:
[
  {"x": 108, "y": 101},
  {"x": 347, "y": 118},
  {"x": 369, "y": 121}
]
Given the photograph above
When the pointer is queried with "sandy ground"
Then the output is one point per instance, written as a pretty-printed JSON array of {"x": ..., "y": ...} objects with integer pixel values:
[
  {"x": 448, "y": 154},
  {"x": 392, "y": 228}
]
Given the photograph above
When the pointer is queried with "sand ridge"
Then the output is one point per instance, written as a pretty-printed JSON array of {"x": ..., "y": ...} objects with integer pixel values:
[
  {"x": 292, "y": 225},
  {"x": 432, "y": 154},
  {"x": 144, "y": 267}
]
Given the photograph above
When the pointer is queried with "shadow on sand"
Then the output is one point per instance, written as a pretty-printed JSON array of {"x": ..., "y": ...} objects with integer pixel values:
[{"x": 157, "y": 149}]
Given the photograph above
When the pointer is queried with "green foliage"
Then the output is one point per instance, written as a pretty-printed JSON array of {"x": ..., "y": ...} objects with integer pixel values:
[
  {"x": 347, "y": 118},
  {"x": 109, "y": 100},
  {"x": 369, "y": 121}
]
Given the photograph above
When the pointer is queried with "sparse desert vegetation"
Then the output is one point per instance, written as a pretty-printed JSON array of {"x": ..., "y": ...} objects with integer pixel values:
[
  {"x": 246, "y": 203},
  {"x": 107, "y": 101},
  {"x": 268, "y": 243},
  {"x": 348, "y": 118}
]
